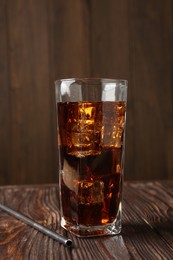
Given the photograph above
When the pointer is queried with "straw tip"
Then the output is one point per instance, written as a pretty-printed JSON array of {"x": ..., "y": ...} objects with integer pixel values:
[{"x": 68, "y": 242}]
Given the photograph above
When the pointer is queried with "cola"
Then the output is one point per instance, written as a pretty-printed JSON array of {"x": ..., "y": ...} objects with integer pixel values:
[{"x": 90, "y": 143}]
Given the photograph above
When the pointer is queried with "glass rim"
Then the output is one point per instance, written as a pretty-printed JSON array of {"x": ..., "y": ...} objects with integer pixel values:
[{"x": 92, "y": 79}]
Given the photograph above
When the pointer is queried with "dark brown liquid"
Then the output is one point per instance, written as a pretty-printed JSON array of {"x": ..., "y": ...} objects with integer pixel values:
[{"x": 90, "y": 146}]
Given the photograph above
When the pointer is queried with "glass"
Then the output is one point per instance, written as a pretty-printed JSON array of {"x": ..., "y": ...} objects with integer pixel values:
[{"x": 91, "y": 116}]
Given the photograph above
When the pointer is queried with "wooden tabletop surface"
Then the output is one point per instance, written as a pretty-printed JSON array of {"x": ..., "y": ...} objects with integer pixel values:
[{"x": 147, "y": 225}]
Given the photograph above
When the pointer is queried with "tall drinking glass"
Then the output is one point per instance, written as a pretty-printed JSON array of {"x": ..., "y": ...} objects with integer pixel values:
[{"x": 91, "y": 116}]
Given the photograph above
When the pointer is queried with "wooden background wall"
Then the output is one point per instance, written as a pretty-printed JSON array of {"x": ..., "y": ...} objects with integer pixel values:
[{"x": 42, "y": 40}]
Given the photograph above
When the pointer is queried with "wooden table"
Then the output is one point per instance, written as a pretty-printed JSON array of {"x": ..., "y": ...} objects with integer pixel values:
[{"x": 147, "y": 225}]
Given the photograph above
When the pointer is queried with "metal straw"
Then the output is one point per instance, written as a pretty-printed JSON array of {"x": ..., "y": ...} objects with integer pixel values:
[{"x": 50, "y": 233}]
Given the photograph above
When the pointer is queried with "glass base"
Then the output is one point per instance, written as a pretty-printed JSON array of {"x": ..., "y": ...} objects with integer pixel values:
[{"x": 91, "y": 231}]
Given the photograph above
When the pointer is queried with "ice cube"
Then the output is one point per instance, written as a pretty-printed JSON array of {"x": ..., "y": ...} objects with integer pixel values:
[
  {"x": 112, "y": 136},
  {"x": 83, "y": 144},
  {"x": 86, "y": 115},
  {"x": 113, "y": 127},
  {"x": 70, "y": 176},
  {"x": 91, "y": 192},
  {"x": 81, "y": 117},
  {"x": 118, "y": 137},
  {"x": 83, "y": 130}
]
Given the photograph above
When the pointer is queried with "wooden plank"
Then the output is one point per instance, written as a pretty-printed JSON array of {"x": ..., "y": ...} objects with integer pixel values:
[
  {"x": 4, "y": 98},
  {"x": 31, "y": 141},
  {"x": 153, "y": 203},
  {"x": 150, "y": 26},
  {"x": 141, "y": 240},
  {"x": 147, "y": 225},
  {"x": 168, "y": 43},
  {"x": 109, "y": 39},
  {"x": 69, "y": 39}
]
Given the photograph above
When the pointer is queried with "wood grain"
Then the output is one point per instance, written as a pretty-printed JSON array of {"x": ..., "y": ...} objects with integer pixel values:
[
  {"x": 149, "y": 219},
  {"x": 109, "y": 39},
  {"x": 147, "y": 225},
  {"x": 151, "y": 88},
  {"x": 4, "y": 98},
  {"x": 30, "y": 111},
  {"x": 69, "y": 39}
]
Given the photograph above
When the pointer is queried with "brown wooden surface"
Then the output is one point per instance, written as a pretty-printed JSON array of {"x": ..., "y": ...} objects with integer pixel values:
[
  {"x": 147, "y": 225},
  {"x": 44, "y": 40}
]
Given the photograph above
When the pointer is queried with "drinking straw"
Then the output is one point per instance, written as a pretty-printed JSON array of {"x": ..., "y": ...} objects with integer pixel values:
[{"x": 46, "y": 231}]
